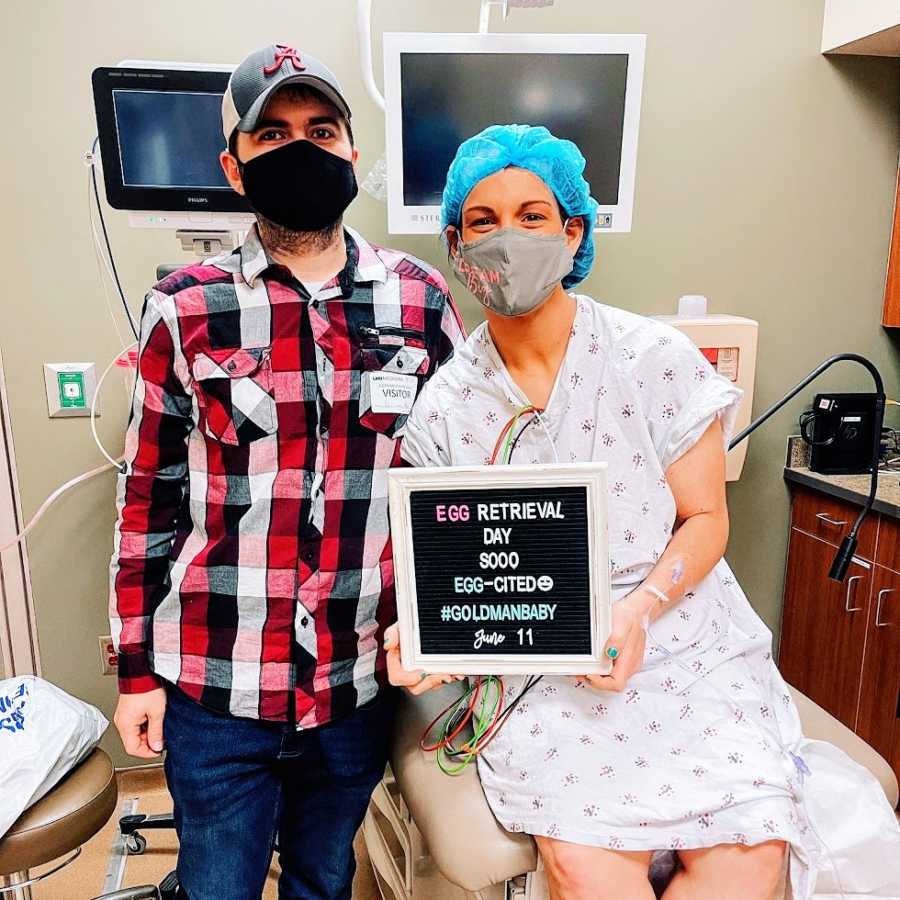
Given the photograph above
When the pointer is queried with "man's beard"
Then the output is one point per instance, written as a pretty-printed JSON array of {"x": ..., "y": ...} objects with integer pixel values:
[{"x": 278, "y": 239}]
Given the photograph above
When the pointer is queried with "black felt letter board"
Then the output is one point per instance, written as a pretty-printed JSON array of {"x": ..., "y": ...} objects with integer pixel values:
[{"x": 461, "y": 542}]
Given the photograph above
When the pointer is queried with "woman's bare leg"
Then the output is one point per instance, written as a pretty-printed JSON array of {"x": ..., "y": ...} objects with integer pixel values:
[
  {"x": 577, "y": 872},
  {"x": 728, "y": 872}
]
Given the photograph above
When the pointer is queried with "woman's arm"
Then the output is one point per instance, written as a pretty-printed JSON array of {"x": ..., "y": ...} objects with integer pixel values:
[{"x": 697, "y": 481}]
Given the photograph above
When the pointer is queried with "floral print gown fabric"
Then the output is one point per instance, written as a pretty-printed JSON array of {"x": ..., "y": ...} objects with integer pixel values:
[{"x": 704, "y": 746}]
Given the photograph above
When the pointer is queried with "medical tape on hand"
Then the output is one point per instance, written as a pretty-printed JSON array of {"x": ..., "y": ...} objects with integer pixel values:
[{"x": 665, "y": 598}]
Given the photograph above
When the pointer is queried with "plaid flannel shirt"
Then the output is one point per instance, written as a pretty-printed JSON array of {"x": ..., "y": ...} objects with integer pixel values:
[{"x": 252, "y": 564}]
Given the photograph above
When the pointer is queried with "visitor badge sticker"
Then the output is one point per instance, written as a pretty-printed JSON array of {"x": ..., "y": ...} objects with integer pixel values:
[
  {"x": 502, "y": 569},
  {"x": 389, "y": 392}
]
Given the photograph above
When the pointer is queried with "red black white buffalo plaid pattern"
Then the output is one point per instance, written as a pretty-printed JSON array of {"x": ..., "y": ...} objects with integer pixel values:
[{"x": 252, "y": 563}]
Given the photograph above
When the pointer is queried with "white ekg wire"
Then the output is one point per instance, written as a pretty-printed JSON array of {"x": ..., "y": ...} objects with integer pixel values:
[
  {"x": 546, "y": 431},
  {"x": 101, "y": 262},
  {"x": 90, "y": 160},
  {"x": 78, "y": 479},
  {"x": 54, "y": 497},
  {"x": 106, "y": 372}
]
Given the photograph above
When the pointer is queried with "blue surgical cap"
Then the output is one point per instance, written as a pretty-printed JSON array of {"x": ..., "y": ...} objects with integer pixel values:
[{"x": 558, "y": 163}]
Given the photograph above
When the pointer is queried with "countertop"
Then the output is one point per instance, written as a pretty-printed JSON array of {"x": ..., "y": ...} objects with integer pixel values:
[{"x": 854, "y": 488}]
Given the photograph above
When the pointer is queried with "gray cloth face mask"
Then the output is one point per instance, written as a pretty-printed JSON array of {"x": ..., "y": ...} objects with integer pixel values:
[{"x": 512, "y": 272}]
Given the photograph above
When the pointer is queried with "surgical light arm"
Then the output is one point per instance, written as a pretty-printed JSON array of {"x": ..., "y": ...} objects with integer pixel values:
[
  {"x": 364, "y": 30},
  {"x": 848, "y": 546}
]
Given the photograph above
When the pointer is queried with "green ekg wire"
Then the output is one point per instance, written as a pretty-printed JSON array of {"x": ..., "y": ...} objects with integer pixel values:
[
  {"x": 482, "y": 719},
  {"x": 453, "y": 761},
  {"x": 507, "y": 444}
]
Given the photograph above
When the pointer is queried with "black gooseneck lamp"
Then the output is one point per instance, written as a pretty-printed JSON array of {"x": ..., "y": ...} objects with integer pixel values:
[{"x": 848, "y": 546}]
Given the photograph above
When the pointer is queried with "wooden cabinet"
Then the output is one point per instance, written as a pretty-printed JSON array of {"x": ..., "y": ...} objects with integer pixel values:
[
  {"x": 824, "y": 627},
  {"x": 830, "y": 520},
  {"x": 861, "y": 27},
  {"x": 889, "y": 544},
  {"x": 840, "y": 642},
  {"x": 877, "y": 720}
]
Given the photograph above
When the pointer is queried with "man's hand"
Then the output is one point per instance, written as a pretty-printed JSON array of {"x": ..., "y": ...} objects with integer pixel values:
[
  {"x": 139, "y": 720},
  {"x": 414, "y": 682},
  {"x": 629, "y": 638}
]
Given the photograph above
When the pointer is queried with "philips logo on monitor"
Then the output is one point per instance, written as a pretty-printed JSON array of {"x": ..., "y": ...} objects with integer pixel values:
[{"x": 160, "y": 132}]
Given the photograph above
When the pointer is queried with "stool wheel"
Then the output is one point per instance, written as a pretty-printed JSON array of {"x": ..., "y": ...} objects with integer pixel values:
[{"x": 135, "y": 844}]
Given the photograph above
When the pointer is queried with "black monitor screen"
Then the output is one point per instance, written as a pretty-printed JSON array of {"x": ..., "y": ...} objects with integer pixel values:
[
  {"x": 170, "y": 139},
  {"x": 448, "y": 97}
]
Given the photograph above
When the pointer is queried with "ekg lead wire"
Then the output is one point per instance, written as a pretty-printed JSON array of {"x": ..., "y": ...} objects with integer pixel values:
[
  {"x": 112, "y": 261},
  {"x": 111, "y": 463}
]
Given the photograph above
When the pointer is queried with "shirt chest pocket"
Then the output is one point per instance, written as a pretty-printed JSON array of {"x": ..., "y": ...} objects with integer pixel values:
[
  {"x": 390, "y": 379},
  {"x": 235, "y": 394}
]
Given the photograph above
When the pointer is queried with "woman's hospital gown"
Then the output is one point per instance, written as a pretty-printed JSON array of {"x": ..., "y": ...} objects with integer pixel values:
[{"x": 704, "y": 746}]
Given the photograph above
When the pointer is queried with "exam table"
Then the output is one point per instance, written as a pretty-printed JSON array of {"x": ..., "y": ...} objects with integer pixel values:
[{"x": 433, "y": 837}]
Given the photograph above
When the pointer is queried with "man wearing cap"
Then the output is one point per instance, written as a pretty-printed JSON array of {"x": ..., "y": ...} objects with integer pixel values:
[{"x": 252, "y": 576}]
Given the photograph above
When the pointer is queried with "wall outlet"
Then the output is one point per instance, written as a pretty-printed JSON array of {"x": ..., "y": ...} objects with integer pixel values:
[{"x": 109, "y": 660}]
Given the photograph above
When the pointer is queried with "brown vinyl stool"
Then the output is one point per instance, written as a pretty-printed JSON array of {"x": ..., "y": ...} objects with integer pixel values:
[{"x": 58, "y": 824}]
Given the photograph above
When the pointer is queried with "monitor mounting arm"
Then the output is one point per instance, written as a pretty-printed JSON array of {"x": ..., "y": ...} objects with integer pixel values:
[
  {"x": 206, "y": 243},
  {"x": 364, "y": 32}
]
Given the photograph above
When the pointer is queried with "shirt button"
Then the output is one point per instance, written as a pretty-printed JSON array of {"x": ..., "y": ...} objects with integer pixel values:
[
  {"x": 232, "y": 366},
  {"x": 308, "y": 555},
  {"x": 399, "y": 363},
  {"x": 304, "y": 621}
]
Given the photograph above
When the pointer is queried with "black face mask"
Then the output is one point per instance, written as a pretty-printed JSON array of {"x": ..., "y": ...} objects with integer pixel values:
[{"x": 299, "y": 186}]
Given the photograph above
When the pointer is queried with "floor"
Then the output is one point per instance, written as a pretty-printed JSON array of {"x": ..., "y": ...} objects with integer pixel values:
[{"x": 84, "y": 878}]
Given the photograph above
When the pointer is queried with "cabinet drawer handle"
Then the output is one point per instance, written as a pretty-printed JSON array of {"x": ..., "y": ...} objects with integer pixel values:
[
  {"x": 847, "y": 606},
  {"x": 878, "y": 622},
  {"x": 824, "y": 517}
]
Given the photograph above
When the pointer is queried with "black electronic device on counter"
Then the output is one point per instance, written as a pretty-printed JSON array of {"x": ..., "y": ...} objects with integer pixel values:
[{"x": 840, "y": 431}]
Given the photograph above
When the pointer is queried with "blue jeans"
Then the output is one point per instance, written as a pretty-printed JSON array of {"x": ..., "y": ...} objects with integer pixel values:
[{"x": 236, "y": 783}]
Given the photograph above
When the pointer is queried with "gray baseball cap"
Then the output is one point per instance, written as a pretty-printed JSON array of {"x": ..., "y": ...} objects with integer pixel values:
[{"x": 256, "y": 79}]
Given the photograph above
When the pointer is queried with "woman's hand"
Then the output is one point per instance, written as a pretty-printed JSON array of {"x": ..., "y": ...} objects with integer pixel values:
[
  {"x": 414, "y": 682},
  {"x": 628, "y": 639}
]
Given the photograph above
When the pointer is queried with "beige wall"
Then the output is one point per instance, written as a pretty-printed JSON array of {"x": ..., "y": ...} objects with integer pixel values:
[{"x": 765, "y": 180}]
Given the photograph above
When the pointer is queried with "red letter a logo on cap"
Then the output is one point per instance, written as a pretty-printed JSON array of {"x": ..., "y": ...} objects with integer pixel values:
[{"x": 283, "y": 52}]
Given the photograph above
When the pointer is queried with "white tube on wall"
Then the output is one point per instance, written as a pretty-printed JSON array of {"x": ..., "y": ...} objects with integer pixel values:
[{"x": 364, "y": 30}]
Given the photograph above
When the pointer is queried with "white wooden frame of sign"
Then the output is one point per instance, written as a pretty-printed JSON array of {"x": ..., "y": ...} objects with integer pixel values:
[{"x": 403, "y": 482}]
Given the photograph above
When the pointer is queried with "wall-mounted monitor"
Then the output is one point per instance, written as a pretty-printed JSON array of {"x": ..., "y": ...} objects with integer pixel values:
[
  {"x": 443, "y": 88},
  {"x": 160, "y": 131}
]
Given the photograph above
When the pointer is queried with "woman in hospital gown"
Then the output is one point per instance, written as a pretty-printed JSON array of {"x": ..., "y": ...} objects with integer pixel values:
[{"x": 701, "y": 745}]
